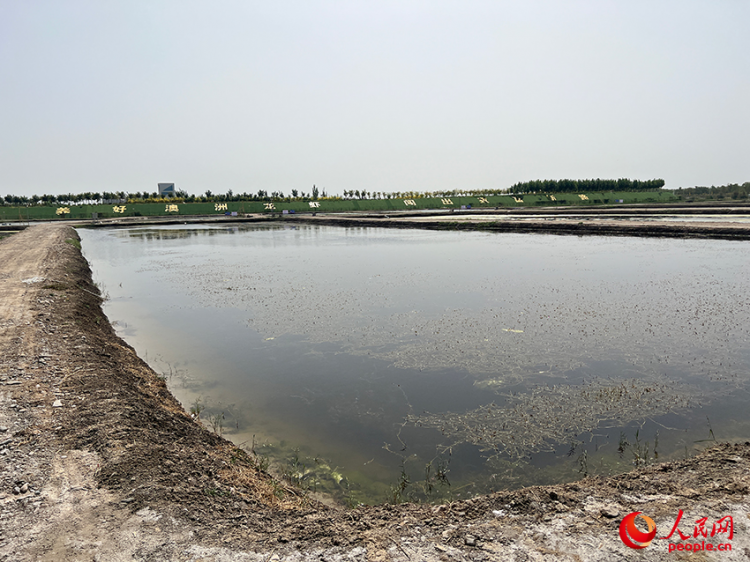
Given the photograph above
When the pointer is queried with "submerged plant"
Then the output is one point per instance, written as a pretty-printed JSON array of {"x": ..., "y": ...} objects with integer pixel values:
[
  {"x": 217, "y": 423},
  {"x": 436, "y": 475},
  {"x": 639, "y": 449},
  {"x": 583, "y": 463},
  {"x": 537, "y": 420},
  {"x": 712, "y": 437},
  {"x": 196, "y": 408},
  {"x": 398, "y": 492}
]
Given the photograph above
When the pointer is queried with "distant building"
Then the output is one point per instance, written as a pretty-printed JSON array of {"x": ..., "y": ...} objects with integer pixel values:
[{"x": 166, "y": 190}]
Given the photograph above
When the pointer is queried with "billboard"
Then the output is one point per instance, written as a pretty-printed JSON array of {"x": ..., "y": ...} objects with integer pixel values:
[{"x": 166, "y": 190}]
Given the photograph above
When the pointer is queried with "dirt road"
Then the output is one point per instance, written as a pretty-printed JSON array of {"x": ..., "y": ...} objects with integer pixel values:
[{"x": 99, "y": 462}]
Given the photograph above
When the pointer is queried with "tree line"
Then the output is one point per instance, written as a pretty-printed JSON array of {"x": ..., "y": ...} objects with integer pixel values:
[
  {"x": 730, "y": 191},
  {"x": 577, "y": 186},
  {"x": 318, "y": 194}
]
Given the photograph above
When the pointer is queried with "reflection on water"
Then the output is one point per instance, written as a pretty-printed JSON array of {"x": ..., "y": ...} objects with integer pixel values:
[{"x": 355, "y": 358}]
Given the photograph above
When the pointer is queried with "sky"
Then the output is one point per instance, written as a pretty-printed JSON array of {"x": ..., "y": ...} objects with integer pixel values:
[{"x": 378, "y": 96}]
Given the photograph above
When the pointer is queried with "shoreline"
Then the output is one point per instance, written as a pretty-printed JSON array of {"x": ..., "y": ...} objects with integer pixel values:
[
  {"x": 113, "y": 466},
  {"x": 575, "y": 227},
  {"x": 634, "y": 220}
]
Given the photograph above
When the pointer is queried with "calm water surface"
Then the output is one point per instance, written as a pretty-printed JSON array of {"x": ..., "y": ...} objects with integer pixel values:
[{"x": 377, "y": 365}]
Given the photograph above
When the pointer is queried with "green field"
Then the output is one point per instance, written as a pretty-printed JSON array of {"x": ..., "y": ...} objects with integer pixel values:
[{"x": 45, "y": 212}]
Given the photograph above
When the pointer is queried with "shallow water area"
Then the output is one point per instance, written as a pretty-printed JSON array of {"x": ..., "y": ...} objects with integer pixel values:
[{"x": 383, "y": 365}]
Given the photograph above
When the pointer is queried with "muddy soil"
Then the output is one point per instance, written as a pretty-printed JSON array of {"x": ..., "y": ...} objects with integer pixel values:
[{"x": 98, "y": 461}]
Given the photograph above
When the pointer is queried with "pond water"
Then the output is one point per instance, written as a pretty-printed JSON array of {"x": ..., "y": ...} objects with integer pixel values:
[{"x": 378, "y": 365}]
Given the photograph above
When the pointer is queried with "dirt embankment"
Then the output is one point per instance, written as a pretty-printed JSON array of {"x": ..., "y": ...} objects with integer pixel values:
[
  {"x": 99, "y": 462},
  {"x": 589, "y": 226}
]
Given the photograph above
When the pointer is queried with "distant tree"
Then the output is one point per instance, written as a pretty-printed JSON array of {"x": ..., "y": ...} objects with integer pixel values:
[
  {"x": 733, "y": 190},
  {"x": 314, "y": 193},
  {"x": 568, "y": 185}
]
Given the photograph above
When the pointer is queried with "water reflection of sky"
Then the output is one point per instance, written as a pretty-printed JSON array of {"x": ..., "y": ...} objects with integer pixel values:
[{"x": 328, "y": 338}]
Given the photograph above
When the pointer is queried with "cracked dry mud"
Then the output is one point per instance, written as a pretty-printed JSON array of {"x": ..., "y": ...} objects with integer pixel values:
[{"x": 99, "y": 462}]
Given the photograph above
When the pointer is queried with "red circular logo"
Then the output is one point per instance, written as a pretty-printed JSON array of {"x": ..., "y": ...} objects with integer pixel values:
[{"x": 634, "y": 537}]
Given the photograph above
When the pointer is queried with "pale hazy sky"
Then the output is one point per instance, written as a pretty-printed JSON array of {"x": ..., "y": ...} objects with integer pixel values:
[{"x": 108, "y": 95}]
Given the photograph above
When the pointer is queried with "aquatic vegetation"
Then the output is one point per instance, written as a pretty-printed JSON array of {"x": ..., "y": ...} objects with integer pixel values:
[
  {"x": 537, "y": 420},
  {"x": 216, "y": 422},
  {"x": 196, "y": 408}
]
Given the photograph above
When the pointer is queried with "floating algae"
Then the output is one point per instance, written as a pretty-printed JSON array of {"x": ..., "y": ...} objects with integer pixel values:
[{"x": 537, "y": 420}]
